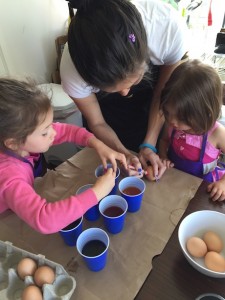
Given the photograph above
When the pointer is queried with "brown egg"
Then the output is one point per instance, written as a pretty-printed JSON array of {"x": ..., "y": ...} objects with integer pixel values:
[
  {"x": 213, "y": 241},
  {"x": 26, "y": 267},
  {"x": 215, "y": 262},
  {"x": 44, "y": 274},
  {"x": 150, "y": 173},
  {"x": 196, "y": 246},
  {"x": 32, "y": 292}
]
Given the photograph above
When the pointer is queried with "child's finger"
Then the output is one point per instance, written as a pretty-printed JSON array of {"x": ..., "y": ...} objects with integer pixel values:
[
  {"x": 214, "y": 194},
  {"x": 209, "y": 187}
]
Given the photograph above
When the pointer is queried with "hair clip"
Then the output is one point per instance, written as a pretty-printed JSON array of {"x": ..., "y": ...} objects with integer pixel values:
[{"x": 132, "y": 37}]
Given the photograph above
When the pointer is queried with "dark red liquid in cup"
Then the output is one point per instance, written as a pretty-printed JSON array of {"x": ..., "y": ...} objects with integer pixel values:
[
  {"x": 132, "y": 190},
  {"x": 93, "y": 248},
  {"x": 113, "y": 211}
]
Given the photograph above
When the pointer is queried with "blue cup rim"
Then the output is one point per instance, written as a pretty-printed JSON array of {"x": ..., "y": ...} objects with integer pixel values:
[
  {"x": 113, "y": 196},
  {"x": 85, "y": 187},
  {"x": 81, "y": 220},
  {"x": 136, "y": 178},
  {"x": 89, "y": 229},
  {"x": 108, "y": 166}
]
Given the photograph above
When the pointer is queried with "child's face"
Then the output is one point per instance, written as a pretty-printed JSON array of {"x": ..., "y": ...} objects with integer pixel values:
[
  {"x": 174, "y": 122},
  {"x": 41, "y": 139}
]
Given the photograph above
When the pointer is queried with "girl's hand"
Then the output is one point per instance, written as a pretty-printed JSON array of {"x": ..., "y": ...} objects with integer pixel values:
[
  {"x": 167, "y": 163},
  {"x": 147, "y": 155},
  {"x": 104, "y": 184},
  {"x": 217, "y": 190},
  {"x": 107, "y": 154}
]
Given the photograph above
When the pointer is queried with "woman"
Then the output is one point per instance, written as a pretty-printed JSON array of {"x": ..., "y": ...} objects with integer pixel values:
[{"x": 119, "y": 55}]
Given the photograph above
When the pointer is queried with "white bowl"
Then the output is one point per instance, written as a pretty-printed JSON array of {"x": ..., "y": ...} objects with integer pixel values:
[{"x": 196, "y": 224}]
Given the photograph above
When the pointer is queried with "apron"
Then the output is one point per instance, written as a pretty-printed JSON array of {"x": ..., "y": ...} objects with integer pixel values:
[
  {"x": 128, "y": 116},
  {"x": 195, "y": 167}
]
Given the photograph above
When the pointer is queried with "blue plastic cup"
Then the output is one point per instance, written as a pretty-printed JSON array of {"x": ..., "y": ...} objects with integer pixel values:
[
  {"x": 92, "y": 245},
  {"x": 93, "y": 213},
  {"x": 99, "y": 171},
  {"x": 132, "y": 189},
  {"x": 71, "y": 232},
  {"x": 113, "y": 209}
]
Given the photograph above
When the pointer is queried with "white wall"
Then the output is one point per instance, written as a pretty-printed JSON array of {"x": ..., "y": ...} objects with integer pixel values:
[{"x": 28, "y": 29}]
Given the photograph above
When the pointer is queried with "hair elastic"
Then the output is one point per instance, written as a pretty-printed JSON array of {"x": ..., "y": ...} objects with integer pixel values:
[
  {"x": 132, "y": 37},
  {"x": 146, "y": 145}
]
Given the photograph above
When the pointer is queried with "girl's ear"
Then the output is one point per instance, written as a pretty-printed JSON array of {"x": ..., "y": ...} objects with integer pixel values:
[{"x": 11, "y": 144}]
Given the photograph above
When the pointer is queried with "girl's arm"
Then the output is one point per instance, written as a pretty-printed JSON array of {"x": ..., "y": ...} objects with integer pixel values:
[
  {"x": 71, "y": 133},
  {"x": 18, "y": 194},
  {"x": 80, "y": 136},
  {"x": 217, "y": 189},
  {"x": 217, "y": 138}
]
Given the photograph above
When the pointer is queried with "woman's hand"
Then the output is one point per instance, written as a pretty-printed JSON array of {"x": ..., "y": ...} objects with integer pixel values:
[
  {"x": 104, "y": 184},
  {"x": 147, "y": 156},
  {"x": 107, "y": 154},
  {"x": 134, "y": 166}
]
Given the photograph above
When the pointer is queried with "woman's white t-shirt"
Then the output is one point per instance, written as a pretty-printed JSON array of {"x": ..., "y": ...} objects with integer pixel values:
[{"x": 167, "y": 42}]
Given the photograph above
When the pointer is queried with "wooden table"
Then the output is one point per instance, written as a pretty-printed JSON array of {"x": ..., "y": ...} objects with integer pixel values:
[{"x": 172, "y": 277}]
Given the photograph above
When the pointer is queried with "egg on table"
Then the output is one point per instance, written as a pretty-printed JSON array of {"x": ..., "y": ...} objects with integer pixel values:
[{"x": 26, "y": 267}]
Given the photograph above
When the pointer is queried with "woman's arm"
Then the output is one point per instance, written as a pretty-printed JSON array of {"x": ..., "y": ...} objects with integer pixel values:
[
  {"x": 164, "y": 143},
  {"x": 90, "y": 109},
  {"x": 156, "y": 121}
]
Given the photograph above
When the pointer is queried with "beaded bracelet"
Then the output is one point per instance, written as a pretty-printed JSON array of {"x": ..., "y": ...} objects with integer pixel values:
[{"x": 146, "y": 145}]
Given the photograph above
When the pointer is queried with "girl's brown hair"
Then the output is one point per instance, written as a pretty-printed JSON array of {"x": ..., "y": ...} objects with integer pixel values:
[
  {"x": 194, "y": 92},
  {"x": 22, "y": 107}
]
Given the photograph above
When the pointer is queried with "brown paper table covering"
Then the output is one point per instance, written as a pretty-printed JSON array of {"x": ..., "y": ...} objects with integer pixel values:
[{"x": 130, "y": 253}]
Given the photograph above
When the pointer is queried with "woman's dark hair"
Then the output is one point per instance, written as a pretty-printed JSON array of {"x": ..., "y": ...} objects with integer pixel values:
[
  {"x": 107, "y": 41},
  {"x": 194, "y": 92},
  {"x": 22, "y": 107}
]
